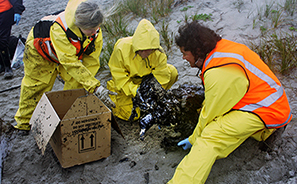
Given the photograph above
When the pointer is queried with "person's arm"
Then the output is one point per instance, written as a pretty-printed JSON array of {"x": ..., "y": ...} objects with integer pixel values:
[
  {"x": 66, "y": 53},
  {"x": 224, "y": 87},
  {"x": 161, "y": 70},
  {"x": 121, "y": 74},
  {"x": 18, "y": 9},
  {"x": 92, "y": 61},
  {"x": 18, "y": 6}
]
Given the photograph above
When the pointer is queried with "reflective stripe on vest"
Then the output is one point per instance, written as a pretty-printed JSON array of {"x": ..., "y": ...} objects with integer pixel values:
[
  {"x": 265, "y": 102},
  {"x": 62, "y": 21},
  {"x": 43, "y": 44},
  {"x": 268, "y": 100},
  {"x": 49, "y": 50},
  {"x": 74, "y": 39}
]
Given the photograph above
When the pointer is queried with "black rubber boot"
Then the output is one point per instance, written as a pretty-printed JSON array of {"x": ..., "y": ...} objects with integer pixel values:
[
  {"x": 1, "y": 67},
  {"x": 8, "y": 74}
]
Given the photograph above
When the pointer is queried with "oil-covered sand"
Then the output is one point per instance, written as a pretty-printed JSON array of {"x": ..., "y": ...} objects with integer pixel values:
[{"x": 135, "y": 161}]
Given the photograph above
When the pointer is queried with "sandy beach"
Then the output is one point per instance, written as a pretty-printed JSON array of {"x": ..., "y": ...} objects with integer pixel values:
[{"x": 133, "y": 161}]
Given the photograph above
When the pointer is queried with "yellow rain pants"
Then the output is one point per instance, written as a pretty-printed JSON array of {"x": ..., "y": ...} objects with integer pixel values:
[{"x": 219, "y": 131}]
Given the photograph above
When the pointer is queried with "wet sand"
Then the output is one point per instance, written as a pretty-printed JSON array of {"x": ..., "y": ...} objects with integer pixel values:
[{"x": 135, "y": 161}]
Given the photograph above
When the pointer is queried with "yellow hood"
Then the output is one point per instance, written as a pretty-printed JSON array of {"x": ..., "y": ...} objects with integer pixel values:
[
  {"x": 69, "y": 15},
  {"x": 145, "y": 36}
]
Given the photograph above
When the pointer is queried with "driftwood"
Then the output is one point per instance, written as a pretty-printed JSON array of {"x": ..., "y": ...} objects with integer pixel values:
[{"x": 11, "y": 88}]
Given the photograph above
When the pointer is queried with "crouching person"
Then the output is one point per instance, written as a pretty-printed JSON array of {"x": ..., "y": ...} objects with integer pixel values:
[
  {"x": 243, "y": 99},
  {"x": 132, "y": 59},
  {"x": 68, "y": 44}
]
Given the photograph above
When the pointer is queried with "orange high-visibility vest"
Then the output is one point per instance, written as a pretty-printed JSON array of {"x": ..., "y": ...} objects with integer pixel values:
[
  {"x": 42, "y": 40},
  {"x": 5, "y": 5},
  {"x": 265, "y": 96}
]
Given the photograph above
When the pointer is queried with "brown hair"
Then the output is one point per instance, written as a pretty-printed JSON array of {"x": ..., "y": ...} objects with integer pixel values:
[{"x": 197, "y": 38}]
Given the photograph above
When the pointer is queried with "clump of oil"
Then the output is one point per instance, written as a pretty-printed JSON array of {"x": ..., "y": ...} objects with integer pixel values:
[
  {"x": 6, "y": 132},
  {"x": 190, "y": 99},
  {"x": 176, "y": 109}
]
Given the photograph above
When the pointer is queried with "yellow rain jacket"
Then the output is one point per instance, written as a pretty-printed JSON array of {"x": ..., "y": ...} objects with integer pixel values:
[
  {"x": 128, "y": 68},
  {"x": 40, "y": 74},
  {"x": 219, "y": 131}
]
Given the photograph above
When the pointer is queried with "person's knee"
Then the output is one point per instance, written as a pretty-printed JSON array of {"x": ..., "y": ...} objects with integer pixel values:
[
  {"x": 173, "y": 76},
  {"x": 174, "y": 73}
]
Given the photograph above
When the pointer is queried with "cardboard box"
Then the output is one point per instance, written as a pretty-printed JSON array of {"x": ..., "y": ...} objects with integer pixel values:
[{"x": 77, "y": 126}]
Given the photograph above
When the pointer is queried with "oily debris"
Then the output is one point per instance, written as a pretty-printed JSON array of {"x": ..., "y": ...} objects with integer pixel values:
[
  {"x": 5, "y": 128},
  {"x": 175, "y": 109}
]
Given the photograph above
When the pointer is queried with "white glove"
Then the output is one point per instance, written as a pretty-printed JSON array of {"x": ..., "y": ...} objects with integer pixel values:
[{"x": 102, "y": 93}]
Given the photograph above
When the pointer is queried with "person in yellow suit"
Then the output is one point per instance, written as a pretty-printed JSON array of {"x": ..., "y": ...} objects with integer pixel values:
[
  {"x": 243, "y": 98},
  {"x": 132, "y": 59},
  {"x": 68, "y": 44}
]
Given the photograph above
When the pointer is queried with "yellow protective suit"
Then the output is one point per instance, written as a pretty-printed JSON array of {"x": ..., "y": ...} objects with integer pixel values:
[
  {"x": 128, "y": 68},
  {"x": 219, "y": 131},
  {"x": 40, "y": 74}
]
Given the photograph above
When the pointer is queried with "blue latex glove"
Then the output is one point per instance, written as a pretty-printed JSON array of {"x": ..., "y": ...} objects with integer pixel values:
[
  {"x": 17, "y": 18},
  {"x": 185, "y": 144}
]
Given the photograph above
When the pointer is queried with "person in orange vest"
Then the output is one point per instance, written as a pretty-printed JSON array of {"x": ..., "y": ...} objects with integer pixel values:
[
  {"x": 243, "y": 99},
  {"x": 10, "y": 13},
  {"x": 68, "y": 44}
]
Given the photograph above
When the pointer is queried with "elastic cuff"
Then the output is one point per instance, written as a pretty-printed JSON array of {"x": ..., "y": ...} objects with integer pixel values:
[
  {"x": 23, "y": 127},
  {"x": 92, "y": 89}
]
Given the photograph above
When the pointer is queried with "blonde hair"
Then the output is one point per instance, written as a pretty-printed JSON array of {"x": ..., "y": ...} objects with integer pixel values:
[{"x": 88, "y": 15}]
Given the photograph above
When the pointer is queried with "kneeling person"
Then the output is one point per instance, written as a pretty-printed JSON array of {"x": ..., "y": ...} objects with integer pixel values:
[{"x": 132, "y": 59}]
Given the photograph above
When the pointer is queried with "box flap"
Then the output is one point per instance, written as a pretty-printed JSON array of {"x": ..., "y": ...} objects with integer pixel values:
[
  {"x": 63, "y": 100},
  {"x": 43, "y": 122},
  {"x": 86, "y": 105}
]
